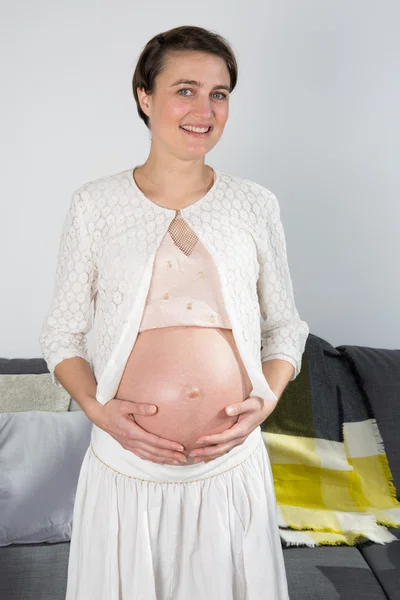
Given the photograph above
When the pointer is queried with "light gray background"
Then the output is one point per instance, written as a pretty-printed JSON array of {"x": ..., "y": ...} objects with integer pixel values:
[{"x": 314, "y": 118}]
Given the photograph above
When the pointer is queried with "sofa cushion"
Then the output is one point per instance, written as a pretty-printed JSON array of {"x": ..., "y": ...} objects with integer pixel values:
[
  {"x": 15, "y": 366},
  {"x": 39, "y": 572},
  {"x": 21, "y": 393},
  {"x": 330, "y": 573},
  {"x": 377, "y": 373},
  {"x": 34, "y": 572},
  {"x": 384, "y": 561},
  {"x": 40, "y": 458}
]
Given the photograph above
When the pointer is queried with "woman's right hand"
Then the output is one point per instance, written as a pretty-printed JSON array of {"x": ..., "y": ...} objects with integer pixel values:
[{"x": 117, "y": 417}]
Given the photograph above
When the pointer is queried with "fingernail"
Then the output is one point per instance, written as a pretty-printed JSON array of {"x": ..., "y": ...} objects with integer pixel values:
[
  {"x": 152, "y": 409},
  {"x": 230, "y": 411}
]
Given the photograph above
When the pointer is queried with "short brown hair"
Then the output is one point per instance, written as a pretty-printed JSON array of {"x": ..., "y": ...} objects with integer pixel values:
[{"x": 152, "y": 59}]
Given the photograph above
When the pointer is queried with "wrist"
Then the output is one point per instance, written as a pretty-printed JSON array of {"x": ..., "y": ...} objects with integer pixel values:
[
  {"x": 94, "y": 410},
  {"x": 268, "y": 409}
]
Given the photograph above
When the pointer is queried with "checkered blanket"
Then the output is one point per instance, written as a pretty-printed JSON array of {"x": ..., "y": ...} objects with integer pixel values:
[{"x": 332, "y": 478}]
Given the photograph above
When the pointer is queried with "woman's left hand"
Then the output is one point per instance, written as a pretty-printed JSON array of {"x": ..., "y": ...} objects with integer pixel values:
[{"x": 252, "y": 412}]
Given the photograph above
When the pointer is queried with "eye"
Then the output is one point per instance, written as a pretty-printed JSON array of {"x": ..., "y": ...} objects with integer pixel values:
[
  {"x": 221, "y": 94},
  {"x": 224, "y": 96}
]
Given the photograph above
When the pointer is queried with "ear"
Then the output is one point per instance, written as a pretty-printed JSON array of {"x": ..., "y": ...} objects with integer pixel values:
[{"x": 144, "y": 101}]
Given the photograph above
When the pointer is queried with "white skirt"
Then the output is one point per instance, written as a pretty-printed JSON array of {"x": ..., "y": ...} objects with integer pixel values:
[{"x": 145, "y": 531}]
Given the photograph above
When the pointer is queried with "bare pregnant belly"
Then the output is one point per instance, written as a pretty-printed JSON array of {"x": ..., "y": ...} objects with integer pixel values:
[{"x": 191, "y": 374}]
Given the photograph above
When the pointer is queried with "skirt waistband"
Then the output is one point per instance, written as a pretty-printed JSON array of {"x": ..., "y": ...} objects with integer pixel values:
[{"x": 113, "y": 455}]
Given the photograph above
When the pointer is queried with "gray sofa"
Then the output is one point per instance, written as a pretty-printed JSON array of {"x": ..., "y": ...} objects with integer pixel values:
[{"x": 367, "y": 571}]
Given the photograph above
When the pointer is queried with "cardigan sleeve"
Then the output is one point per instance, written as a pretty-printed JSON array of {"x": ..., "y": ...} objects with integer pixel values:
[
  {"x": 283, "y": 333},
  {"x": 69, "y": 319}
]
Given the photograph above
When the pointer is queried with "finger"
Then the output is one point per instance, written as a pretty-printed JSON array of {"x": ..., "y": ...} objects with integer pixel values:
[
  {"x": 145, "y": 456},
  {"x": 215, "y": 451},
  {"x": 229, "y": 435},
  {"x": 238, "y": 429},
  {"x": 148, "y": 454},
  {"x": 138, "y": 408},
  {"x": 140, "y": 434},
  {"x": 251, "y": 403}
]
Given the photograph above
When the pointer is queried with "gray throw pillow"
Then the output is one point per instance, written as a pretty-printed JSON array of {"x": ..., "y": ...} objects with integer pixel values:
[
  {"x": 41, "y": 454},
  {"x": 21, "y": 393},
  {"x": 377, "y": 373},
  {"x": 74, "y": 405}
]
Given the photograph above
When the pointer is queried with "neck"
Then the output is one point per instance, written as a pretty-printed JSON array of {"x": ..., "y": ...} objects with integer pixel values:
[{"x": 166, "y": 179}]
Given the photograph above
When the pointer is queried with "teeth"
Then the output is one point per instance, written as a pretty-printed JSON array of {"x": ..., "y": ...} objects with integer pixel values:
[{"x": 196, "y": 129}]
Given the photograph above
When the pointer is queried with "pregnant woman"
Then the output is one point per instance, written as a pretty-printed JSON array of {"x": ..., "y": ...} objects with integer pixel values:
[{"x": 178, "y": 261}]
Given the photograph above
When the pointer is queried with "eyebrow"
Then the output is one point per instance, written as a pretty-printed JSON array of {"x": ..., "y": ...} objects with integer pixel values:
[{"x": 198, "y": 84}]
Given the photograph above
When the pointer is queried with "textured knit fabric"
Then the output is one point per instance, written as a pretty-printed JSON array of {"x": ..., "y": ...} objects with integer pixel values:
[
  {"x": 184, "y": 288},
  {"x": 110, "y": 238}
]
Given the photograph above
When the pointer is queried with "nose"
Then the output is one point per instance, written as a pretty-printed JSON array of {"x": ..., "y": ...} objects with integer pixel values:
[{"x": 203, "y": 107}]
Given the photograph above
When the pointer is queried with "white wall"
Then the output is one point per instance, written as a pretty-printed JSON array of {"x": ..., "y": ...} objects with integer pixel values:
[{"x": 316, "y": 111}]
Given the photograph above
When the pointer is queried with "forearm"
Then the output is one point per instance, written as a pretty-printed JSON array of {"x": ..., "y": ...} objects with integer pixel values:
[
  {"x": 76, "y": 376},
  {"x": 278, "y": 373}
]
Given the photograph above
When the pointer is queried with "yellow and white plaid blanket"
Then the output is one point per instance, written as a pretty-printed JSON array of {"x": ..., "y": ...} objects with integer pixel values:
[{"x": 329, "y": 491}]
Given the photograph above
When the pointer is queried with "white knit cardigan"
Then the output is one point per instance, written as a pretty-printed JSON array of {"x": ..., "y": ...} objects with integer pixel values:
[{"x": 110, "y": 236}]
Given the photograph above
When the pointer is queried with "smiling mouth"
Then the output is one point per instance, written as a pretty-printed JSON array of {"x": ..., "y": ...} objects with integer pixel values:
[{"x": 195, "y": 133}]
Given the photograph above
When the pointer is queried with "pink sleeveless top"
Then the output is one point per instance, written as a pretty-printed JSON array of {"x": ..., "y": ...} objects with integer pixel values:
[{"x": 185, "y": 286}]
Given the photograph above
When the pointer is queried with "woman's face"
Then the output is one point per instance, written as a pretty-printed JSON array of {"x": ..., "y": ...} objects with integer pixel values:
[{"x": 174, "y": 104}]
